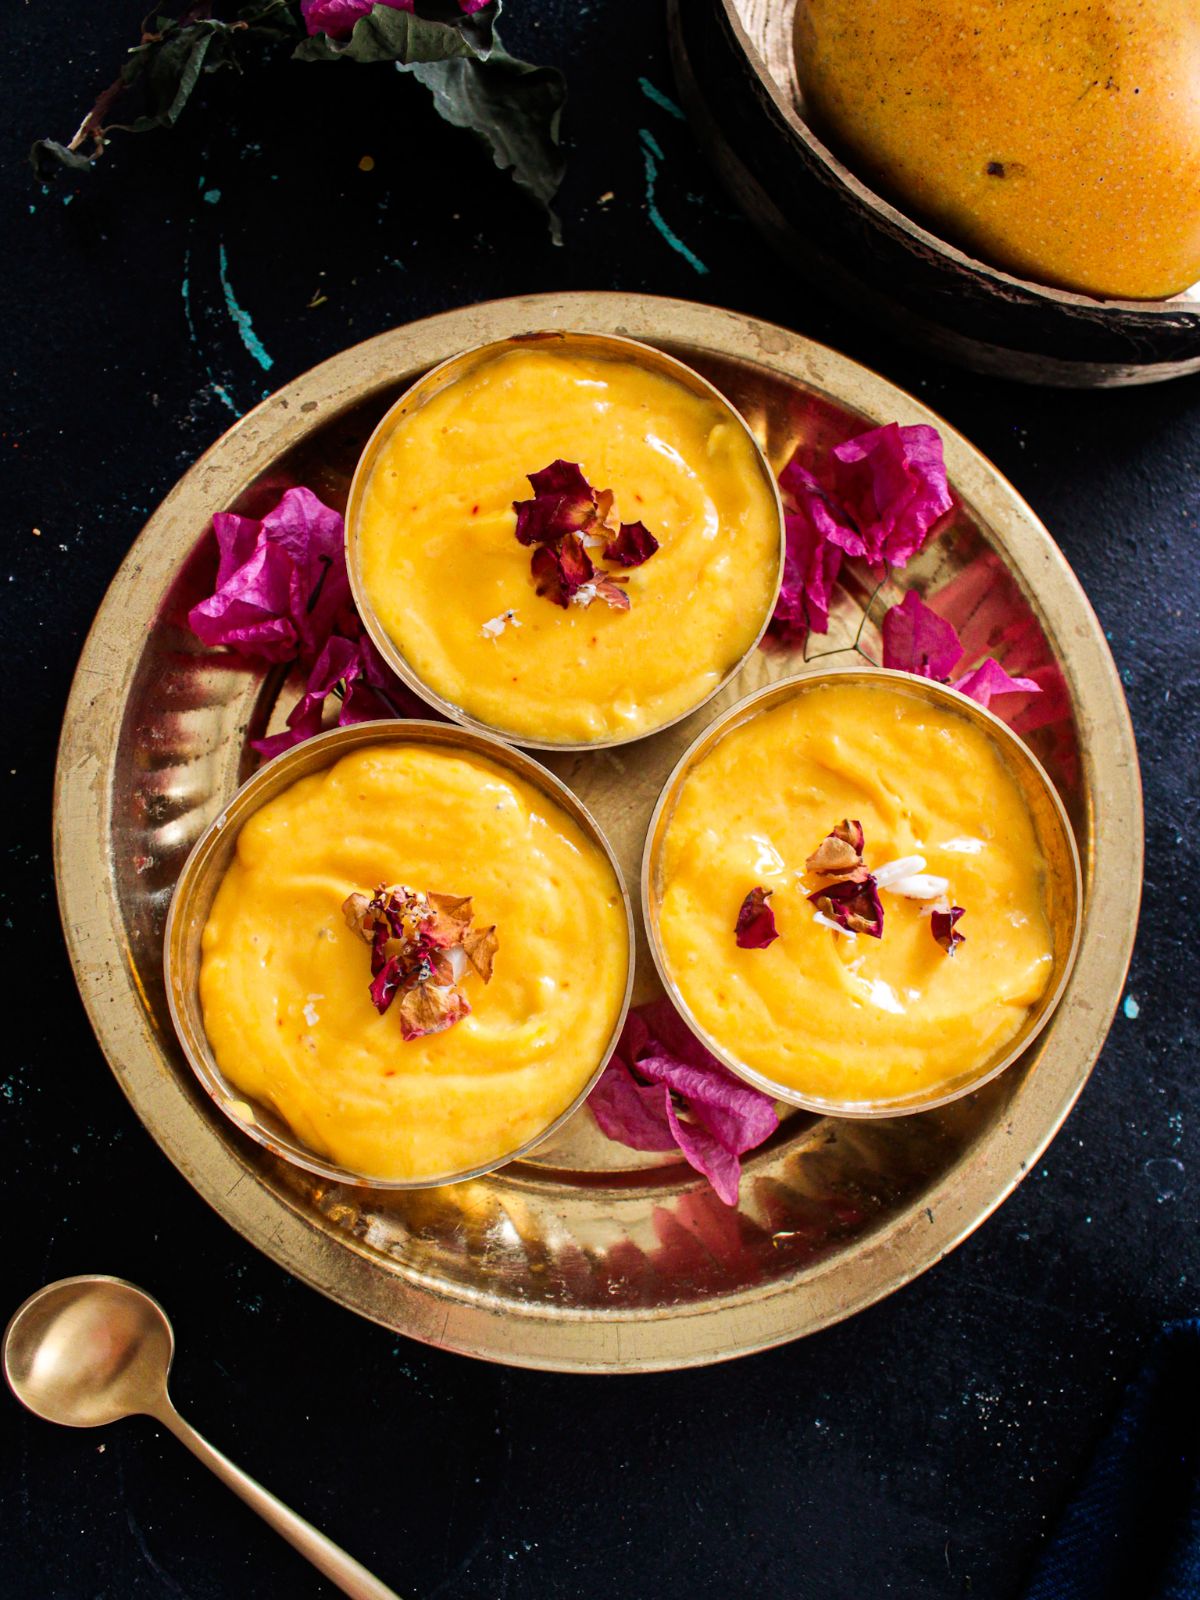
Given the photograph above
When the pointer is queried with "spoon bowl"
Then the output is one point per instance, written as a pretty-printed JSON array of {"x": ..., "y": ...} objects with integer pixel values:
[{"x": 86, "y": 1351}]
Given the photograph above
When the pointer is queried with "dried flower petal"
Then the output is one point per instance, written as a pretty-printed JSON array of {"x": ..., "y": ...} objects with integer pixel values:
[
  {"x": 354, "y": 909},
  {"x": 480, "y": 946},
  {"x": 854, "y": 904},
  {"x": 892, "y": 483},
  {"x": 609, "y": 590},
  {"x": 560, "y": 570},
  {"x": 840, "y": 852},
  {"x": 450, "y": 920},
  {"x": 431, "y": 1008},
  {"x": 633, "y": 544},
  {"x": 916, "y": 639},
  {"x": 989, "y": 679},
  {"x": 941, "y": 925},
  {"x": 755, "y": 928},
  {"x": 662, "y": 1088},
  {"x": 566, "y": 518},
  {"x": 563, "y": 502},
  {"x": 421, "y": 945}
]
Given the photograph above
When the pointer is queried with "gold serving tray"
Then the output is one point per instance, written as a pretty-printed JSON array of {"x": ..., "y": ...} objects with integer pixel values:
[{"x": 585, "y": 1256}]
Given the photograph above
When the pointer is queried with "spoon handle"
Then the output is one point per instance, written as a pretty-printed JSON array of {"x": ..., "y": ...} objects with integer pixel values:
[{"x": 341, "y": 1569}]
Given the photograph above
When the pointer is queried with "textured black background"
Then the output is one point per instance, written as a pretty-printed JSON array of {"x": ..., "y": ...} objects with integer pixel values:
[{"x": 921, "y": 1449}]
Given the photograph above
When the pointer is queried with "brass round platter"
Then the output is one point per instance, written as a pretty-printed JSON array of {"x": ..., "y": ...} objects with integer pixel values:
[
  {"x": 734, "y": 64},
  {"x": 584, "y": 1256}
]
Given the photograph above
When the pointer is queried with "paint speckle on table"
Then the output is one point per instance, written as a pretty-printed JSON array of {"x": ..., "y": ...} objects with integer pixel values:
[
  {"x": 1169, "y": 1177},
  {"x": 651, "y": 156},
  {"x": 1131, "y": 1008},
  {"x": 241, "y": 318},
  {"x": 663, "y": 101}
]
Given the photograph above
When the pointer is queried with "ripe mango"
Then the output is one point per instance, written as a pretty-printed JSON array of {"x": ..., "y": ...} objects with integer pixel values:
[{"x": 1058, "y": 141}]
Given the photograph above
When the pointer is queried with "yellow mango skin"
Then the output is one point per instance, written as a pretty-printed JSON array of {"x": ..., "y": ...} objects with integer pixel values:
[
  {"x": 439, "y": 555},
  {"x": 1058, "y": 141},
  {"x": 284, "y": 982},
  {"x": 855, "y": 1021}
]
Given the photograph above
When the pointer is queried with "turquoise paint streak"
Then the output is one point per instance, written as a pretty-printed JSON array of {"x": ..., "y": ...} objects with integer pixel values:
[
  {"x": 651, "y": 156},
  {"x": 241, "y": 319},
  {"x": 218, "y": 389},
  {"x": 663, "y": 101}
]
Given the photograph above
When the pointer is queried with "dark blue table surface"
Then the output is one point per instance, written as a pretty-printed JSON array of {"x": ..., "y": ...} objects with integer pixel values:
[{"x": 922, "y": 1449}]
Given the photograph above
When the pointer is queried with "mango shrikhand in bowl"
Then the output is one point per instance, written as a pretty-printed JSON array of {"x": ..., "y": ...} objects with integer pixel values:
[
  {"x": 401, "y": 956},
  {"x": 862, "y": 891},
  {"x": 571, "y": 539}
]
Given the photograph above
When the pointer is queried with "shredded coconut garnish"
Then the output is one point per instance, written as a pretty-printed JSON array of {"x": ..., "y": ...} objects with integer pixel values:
[
  {"x": 965, "y": 846},
  {"x": 495, "y": 626},
  {"x": 887, "y": 875},
  {"x": 828, "y": 922},
  {"x": 584, "y": 595},
  {"x": 310, "y": 1009}
]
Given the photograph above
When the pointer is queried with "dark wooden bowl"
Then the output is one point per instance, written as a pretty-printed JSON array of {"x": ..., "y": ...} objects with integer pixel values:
[{"x": 735, "y": 69}]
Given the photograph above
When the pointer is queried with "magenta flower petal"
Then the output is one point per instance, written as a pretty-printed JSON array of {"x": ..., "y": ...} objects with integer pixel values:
[
  {"x": 336, "y": 18},
  {"x": 989, "y": 679},
  {"x": 892, "y": 483},
  {"x": 281, "y": 582},
  {"x": 707, "y": 1154},
  {"x": 630, "y": 1112},
  {"x": 663, "y": 1088},
  {"x": 916, "y": 639}
]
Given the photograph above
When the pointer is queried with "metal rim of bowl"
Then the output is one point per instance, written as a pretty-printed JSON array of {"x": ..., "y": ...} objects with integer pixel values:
[
  {"x": 737, "y": 716},
  {"x": 275, "y": 777},
  {"x": 433, "y": 382}
]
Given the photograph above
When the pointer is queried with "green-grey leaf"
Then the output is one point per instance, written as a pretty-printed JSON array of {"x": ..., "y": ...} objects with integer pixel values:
[
  {"x": 516, "y": 108},
  {"x": 47, "y": 155},
  {"x": 386, "y": 34}
]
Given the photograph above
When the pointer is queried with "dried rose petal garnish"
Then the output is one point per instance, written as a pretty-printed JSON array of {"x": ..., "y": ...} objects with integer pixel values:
[
  {"x": 755, "y": 927},
  {"x": 566, "y": 518},
  {"x": 840, "y": 852},
  {"x": 853, "y": 903},
  {"x": 633, "y": 544},
  {"x": 414, "y": 938},
  {"x": 663, "y": 1090},
  {"x": 941, "y": 925}
]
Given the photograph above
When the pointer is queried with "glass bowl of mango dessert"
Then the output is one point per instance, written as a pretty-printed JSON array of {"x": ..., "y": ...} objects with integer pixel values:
[
  {"x": 570, "y": 539},
  {"x": 401, "y": 956},
  {"x": 862, "y": 891}
]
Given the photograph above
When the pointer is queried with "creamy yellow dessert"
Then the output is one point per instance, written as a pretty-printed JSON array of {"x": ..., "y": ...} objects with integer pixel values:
[
  {"x": 830, "y": 1013},
  {"x": 285, "y": 981},
  {"x": 453, "y": 589}
]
